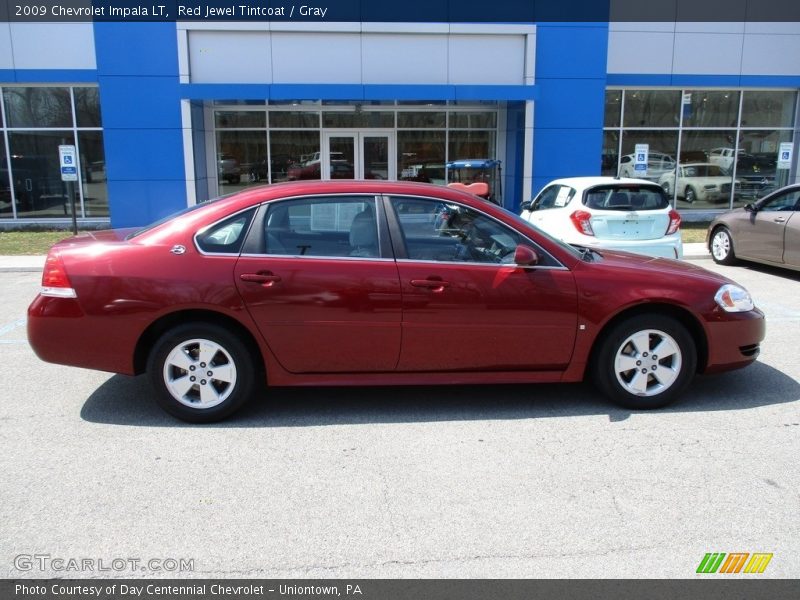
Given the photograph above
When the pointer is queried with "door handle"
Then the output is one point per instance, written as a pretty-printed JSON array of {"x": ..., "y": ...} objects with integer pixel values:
[
  {"x": 780, "y": 219},
  {"x": 265, "y": 279},
  {"x": 436, "y": 285}
]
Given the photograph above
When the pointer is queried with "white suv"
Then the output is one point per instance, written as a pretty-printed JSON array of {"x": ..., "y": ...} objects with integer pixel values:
[{"x": 608, "y": 212}]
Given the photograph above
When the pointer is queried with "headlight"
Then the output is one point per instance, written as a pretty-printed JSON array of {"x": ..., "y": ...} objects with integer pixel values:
[{"x": 732, "y": 298}]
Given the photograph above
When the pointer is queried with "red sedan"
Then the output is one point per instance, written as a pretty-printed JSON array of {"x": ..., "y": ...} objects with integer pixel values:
[{"x": 378, "y": 283}]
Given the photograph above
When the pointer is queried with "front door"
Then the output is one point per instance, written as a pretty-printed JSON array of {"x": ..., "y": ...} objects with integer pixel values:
[
  {"x": 359, "y": 155},
  {"x": 763, "y": 237},
  {"x": 466, "y": 305}
]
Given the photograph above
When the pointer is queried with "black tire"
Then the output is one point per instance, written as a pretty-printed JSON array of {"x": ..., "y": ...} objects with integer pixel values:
[
  {"x": 678, "y": 367},
  {"x": 665, "y": 186},
  {"x": 233, "y": 382},
  {"x": 721, "y": 246},
  {"x": 690, "y": 195}
]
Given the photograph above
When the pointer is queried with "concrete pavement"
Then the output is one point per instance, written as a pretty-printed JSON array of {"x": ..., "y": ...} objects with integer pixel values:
[{"x": 22, "y": 264}]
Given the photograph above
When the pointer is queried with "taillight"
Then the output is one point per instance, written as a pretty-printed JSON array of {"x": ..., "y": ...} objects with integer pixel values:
[
  {"x": 582, "y": 221},
  {"x": 674, "y": 222},
  {"x": 54, "y": 279}
]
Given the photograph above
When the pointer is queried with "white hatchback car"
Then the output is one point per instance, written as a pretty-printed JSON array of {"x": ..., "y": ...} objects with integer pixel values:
[{"x": 608, "y": 212}]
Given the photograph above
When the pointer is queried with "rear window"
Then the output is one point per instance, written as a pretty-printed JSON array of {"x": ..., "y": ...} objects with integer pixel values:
[{"x": 625, "y": 198}]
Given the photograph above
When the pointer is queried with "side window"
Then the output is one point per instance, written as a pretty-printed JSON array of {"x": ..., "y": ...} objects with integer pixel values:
[
  {"x": 441, "y": 231},
  {"x": 555, "y": 196},
  {"x": 784, "y": 202},
  {"x": 226, "y": 237},
  {"x": 323, "y": 227}
]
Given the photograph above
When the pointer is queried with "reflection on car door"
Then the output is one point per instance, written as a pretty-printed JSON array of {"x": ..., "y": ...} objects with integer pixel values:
[
  {"x": 320, "y": 290},
  {"x": 466, "y": 309},
  {"x": 764, "y": 234}
]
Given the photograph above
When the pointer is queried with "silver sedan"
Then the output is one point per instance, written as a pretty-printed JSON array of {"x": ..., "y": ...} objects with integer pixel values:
[{"x": 767, "y": 231}]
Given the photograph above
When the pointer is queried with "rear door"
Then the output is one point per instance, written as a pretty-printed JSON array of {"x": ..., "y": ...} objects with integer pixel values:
[{"x": 322, "y": 287}]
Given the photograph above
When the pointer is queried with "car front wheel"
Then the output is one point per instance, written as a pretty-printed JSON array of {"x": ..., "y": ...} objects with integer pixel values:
[
  {"x": 722, "y": 247},
  {"x": 645, "y": 362},
  {"x": 690, "y": 195},
  {"x": 201, "y": 372}
]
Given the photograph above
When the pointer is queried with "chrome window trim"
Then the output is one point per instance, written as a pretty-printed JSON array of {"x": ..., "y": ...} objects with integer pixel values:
[
  {"x": 306, "y": 256},
  {"x": 484, "y": 264}
]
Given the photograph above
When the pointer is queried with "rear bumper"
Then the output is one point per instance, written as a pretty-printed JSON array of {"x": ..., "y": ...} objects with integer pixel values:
[
  {"x": 60, "y": 332},
  {"x": 735, "y": 342}
]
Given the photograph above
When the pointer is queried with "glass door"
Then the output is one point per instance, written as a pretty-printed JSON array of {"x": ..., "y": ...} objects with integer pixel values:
[{"x": 359, "y": 155}]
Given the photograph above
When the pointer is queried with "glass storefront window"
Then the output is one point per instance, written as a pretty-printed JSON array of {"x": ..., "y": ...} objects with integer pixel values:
[
  {"x": 471, "y": 144},
  {"x": 421, "y": 156},
  {"x": 613, "y": 108},
  {"x": 652, "y": 108},
  {"x": 710, "y": 108},
  {"x": 354, "y": 120},
  {"x": 473, "y": 120},
  {"x": 294, "y": 155},
  {"x": 38, "y": 120},
  {"x": 285, "y": 119},
  {"x": 663, "y": 146},
  {"x": 768, "y": 109},
  {"x": 729, "y": 141},
  {"x": 241, "y": 119},
  {"x": 93, "y": 173},
  {"x": 421, "y": 120},
  {"x": 6, "y": 209},
  {"x": 38, "y": 107},
  {"x": 36, "y": 173},
  {"x": 241, "y": 159},
  {"x": 87, "y": 107},
  {"x": 757, "y": 170},
  {"x": 610, "y": 159}
]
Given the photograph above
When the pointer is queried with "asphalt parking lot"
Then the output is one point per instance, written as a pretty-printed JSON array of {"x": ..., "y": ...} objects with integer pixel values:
[{"x": 541, "y": 481}]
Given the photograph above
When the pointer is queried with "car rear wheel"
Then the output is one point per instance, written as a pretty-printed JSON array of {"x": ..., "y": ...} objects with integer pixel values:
[
  {"x": 721, "y": 247},
  {"x": 645, "y": 362},
  {"x": 201, "y": 372},
  {"x": 690, "y": 195}
]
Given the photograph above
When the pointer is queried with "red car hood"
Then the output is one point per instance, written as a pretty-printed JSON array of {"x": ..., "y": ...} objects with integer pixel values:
[{"x": 667, "y": 267}]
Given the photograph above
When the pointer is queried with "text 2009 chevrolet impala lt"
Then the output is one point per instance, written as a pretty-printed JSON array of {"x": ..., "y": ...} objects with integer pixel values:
[{"x": 378, "y": 283}]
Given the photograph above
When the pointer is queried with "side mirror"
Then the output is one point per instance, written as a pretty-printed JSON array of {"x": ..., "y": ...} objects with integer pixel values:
[
  {"x": 525, "y": 205},
  {"x": 751, "y": 208},
  {"x": 525, "y": 256}
]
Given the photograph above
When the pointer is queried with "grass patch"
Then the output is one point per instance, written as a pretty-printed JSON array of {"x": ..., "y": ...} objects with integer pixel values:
[
  {"x": 693, "y": 232},
  {"x": 25, "y": 243}
]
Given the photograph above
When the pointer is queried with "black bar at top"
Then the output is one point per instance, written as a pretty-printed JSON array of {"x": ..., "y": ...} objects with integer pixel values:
[{"x": 419, "y": 11}]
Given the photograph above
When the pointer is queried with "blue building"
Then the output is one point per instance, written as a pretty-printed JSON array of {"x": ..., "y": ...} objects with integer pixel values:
[{"x": 168, "y": 114}]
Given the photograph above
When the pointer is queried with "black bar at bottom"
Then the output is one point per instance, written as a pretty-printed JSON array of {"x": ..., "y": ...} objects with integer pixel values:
[{"x": 707, "y": 588}]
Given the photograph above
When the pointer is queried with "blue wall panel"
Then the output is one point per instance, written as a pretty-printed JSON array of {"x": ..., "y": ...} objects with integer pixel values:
[
  {"x": 137, "y": 66},
  {"x": 146, "y": 201},
  {"x": 568, "y": 114}
]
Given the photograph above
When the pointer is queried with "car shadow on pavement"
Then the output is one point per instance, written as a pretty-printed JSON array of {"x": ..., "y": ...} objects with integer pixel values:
[{"x": 128, "y": 401}]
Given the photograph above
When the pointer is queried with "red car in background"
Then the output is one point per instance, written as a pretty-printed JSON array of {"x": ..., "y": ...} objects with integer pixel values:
[{"x": 378, "y": 283}]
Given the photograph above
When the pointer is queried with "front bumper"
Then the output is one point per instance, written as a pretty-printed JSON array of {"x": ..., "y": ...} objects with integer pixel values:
[{"x": 734, "y": 340}]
